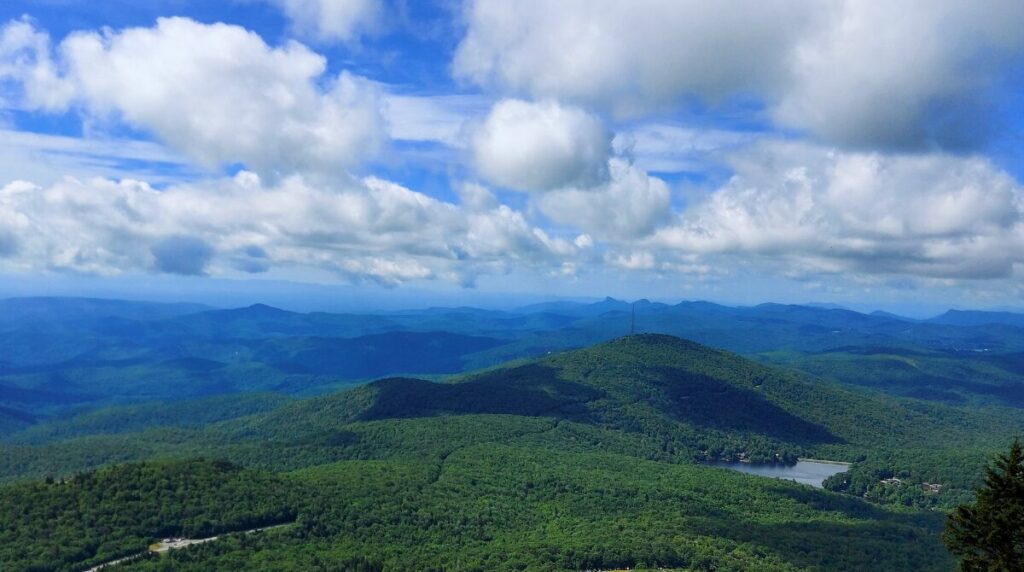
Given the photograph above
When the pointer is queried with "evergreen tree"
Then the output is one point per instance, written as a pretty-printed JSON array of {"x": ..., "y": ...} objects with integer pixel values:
[{"x": 989, "y": 534}]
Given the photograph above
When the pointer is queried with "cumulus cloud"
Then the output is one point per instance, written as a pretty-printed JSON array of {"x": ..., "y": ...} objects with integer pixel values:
[
  {"x": 906, "y": 74},
  {"x": 539, "y": 146},
  {"x": 903, "y": 74},
  {"x": 629, "y": 54},
  {"x": 361, "y": 230},
  {"x": 931, "y": 215},
  {"x": 629, "y": 206},
  {"x": 331, "y": 20},
  {"x": 633, "y": 260},
  {"x": 26, "y": 66},
  {"x": 216, "y": 93},
  {"x": 476, "y": 197}
]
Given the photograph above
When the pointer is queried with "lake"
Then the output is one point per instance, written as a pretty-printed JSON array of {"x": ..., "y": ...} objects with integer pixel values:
[{"x": 808, "y": 472}]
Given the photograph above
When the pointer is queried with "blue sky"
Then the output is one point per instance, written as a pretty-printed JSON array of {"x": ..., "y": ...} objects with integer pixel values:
[{"x": 398, "y": 152}]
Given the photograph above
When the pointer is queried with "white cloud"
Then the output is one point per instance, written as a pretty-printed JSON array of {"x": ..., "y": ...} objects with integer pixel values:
[
  {"x": 540, "y": 146},
  {"x": 903, "y": 73},
  {"x": 879, "y": 73},
  {"x": 630, "y": 55},
  {"x": 331, "y": 20},
  {"x": 629, "y": 206},
  {"x": 476, "y": 197},
  {"x": 26, "y": 66},
  {"x": 217, "y": 93},
  {"x": 360, "y": 230},
  {"x": 633, "y": 260},
  {"x": 437, "y": 118},
  {"x": 816, "y": 210}
]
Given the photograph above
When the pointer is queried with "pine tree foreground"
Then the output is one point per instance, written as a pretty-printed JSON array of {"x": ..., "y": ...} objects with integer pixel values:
[{"x": 989, "y": 534}]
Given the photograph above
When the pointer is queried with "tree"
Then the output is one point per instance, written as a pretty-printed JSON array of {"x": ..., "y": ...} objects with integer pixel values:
[{"x": 989, "y": 534}]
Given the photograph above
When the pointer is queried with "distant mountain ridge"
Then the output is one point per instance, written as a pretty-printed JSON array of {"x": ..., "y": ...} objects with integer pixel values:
[
  {"x": 61, "y": 353},
  {"x": 65, "y": 310},
  {"x": 979, "y": 318}
]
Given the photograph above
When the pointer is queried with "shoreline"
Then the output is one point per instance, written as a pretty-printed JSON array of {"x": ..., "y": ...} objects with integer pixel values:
[{"x": 824, "y": 461}]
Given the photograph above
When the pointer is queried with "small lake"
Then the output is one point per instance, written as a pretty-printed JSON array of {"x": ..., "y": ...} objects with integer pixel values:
[{"x": 806, "y": 471}]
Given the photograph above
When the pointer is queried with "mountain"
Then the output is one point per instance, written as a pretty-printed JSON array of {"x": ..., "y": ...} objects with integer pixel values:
[
  {"x": 195, "y": 413},
  {"x": 71, "y": 312},
  {"x": 623, "y": 383},
  {"x": 978, "y": 318},
  {"x": 658, "y": 396},
  {"x": 583, "y": 310},
  {"x": 825, "y": 305},
  {"x": 891, "y": 316},
  {"x": 587, "y": 459},
  {"x": 114, "y": 352}
]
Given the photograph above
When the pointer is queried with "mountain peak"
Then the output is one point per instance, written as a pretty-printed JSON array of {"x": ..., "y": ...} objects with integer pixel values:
[
  {"x": 653, "y": 341},
  {"x": 265, "y": 309}
]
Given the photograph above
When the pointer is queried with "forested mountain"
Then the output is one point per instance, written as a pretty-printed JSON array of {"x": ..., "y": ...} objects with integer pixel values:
[
  {"x": 64, "y": 355},
  {"x": 588, "y": 459},
  {"x": 563, "y": 457}
]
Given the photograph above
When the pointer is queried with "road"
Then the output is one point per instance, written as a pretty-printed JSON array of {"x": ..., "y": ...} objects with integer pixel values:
[{"x": 176, "y": 543}]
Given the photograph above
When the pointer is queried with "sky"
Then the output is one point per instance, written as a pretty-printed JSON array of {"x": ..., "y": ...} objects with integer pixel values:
[{"x": 397, "y": 152}]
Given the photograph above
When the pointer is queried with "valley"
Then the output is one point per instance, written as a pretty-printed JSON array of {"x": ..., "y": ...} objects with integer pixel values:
[
  {"x": 591, "y": 458},
  {"x": 511, "y": 286}
]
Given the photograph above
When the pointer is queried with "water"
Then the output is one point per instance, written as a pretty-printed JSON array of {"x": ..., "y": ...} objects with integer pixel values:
[{"x": 807, "y": 472}]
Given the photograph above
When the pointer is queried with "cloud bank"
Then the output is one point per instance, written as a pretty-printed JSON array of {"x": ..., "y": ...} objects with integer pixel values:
[
  {"x": 217, "y": 93},
  {"x": 587, "y": 140},
  {"x": 362, "y": 230},
  {"x": 821, "y": 210},
  {"x": 908, "y": 74}
]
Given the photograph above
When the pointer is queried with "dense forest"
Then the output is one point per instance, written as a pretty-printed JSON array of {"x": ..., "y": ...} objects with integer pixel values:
[
  {"x": 90, "y": 518},
  {"x": 589, "y": 459}
]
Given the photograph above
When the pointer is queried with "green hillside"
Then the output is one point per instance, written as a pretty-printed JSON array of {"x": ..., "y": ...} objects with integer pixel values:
[
  {"x": 589, "y": 459},
  {"x": 95, "y": 517},
  {"x": 194, "y": 413}
]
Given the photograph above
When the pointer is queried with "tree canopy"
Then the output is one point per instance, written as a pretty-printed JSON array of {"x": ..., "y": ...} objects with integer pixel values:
[{"x": 989, "y": 534}]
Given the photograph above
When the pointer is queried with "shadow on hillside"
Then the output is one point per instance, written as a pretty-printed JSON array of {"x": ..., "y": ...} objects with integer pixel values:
[
  {"x": 942, "y": 389},
  {"x": 532, "y": 390},
  {"x": 854, "y": 507},
  {"x": 709, "y": 402},
  {"x": 536, "y": 390},
  {"x": 864, "y": 545}
]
